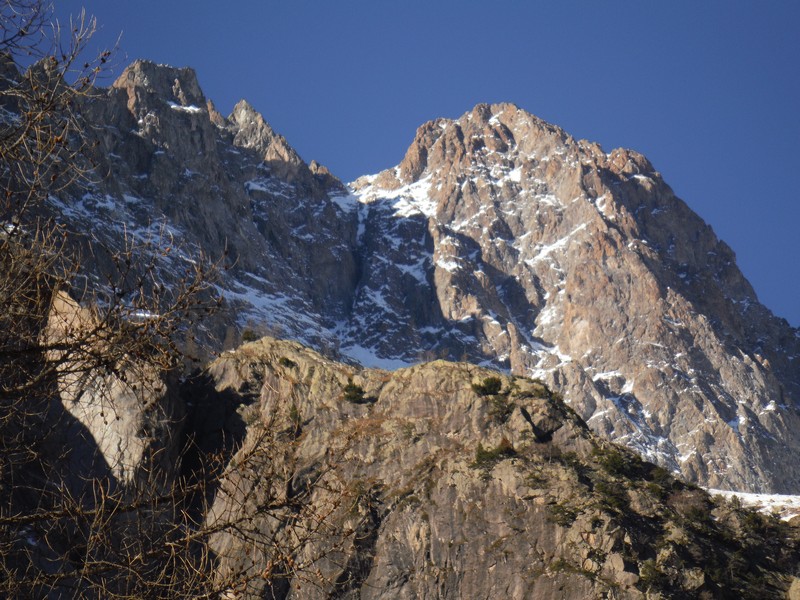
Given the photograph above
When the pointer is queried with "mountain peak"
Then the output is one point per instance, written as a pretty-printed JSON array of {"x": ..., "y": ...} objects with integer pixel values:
[
  {"x": 251, "y": 130},
  {"x": 486, "y": 129},
  {"x": 177, "y": 85},
  {"x": 243, "y": 112}
]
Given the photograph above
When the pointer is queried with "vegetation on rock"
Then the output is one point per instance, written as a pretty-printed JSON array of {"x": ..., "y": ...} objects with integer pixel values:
[
  {"x": 488, "y": 387},
  {"x": 354, "y": 393}
]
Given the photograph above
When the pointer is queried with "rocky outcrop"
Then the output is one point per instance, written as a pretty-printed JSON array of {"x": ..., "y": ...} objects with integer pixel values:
[
  {"x": 125, "y": 404},
  {"x": 448, "y": 481},
  {"x": 499, "y": 239},
  {"x": 300, "y": 477}
]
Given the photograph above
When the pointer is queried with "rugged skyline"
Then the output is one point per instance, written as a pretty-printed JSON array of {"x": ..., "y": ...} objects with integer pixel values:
[
  {"x": 707, "y": 92},
  {"x": 499, "y": 239},
  {"x": 143, "y": 230}
]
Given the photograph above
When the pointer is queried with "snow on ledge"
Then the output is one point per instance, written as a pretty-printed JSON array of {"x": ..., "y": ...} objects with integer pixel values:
[
  {"x": 784, "y": 505},
  {"x": 366, "y": 357},
  {"x": 189, "y": 109},
  {"x": 408, "y": 200}
]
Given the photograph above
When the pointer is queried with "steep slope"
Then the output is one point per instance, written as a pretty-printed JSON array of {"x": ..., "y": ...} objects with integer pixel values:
[
  {"x": 558, "y": 260},
  {"x": 498, "y": 239},
  {"x": 445, "y": 481},
  {"x": 170, "y": 171}
]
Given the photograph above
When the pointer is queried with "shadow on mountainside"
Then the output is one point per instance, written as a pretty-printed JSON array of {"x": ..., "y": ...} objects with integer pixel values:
[
  {"x": 213, "y": 433},
  {"x": 55, "y": 483}
]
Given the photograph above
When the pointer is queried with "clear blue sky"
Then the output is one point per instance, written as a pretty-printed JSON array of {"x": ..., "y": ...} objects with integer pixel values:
[{"x": 708, "y": 91}]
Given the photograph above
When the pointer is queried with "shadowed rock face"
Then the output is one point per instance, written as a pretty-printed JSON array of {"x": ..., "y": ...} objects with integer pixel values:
[
  {"x": 130, "y": 410},
  {"x": 170, "y": 170},
  {"x": 430, "y": 487},
  {"x": 498, "y": 239}
]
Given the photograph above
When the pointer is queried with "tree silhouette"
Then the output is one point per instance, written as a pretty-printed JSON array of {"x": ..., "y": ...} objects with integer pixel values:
[{"x": 106, "y": 487}]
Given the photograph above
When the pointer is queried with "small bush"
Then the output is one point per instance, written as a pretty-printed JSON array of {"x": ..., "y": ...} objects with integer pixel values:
[
  {"x": 613, "y": 462},
  {"x": 409, "y": 431},
  {"x": 536, "y": 479},
  {"x": 248, "y": 335},
  {"x": 287, "y": 362},
  {"x": 562, "y": 515},
  {"x": 490, "y": 386},
  {"x": 659, "y": 482},
  {"x": 651, "y": 577},
  {"x": 612, "y": 496},
  {"x": 500, "y": 408},
  {"x": 354, "y": 393},
  {"x": 561, "y": 565},
  {"x": 486, "y": 459},
  {"x": 618, "y": 462},
  {"x": 572, "y": 460},
  {"x": 294, "y": 415},
  {"x": 655, "y": 490},
  {"x": 660, "y": 476},
  {"x": 693, "y": 508}
]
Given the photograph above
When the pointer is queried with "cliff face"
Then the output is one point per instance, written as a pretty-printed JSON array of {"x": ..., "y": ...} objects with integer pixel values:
[
  {"x": 558, "y": 260},
  {"x": 278, "y": 473},
  {"x": 499, "y": 239},
  {"x": 446, "y": 481},
  {"x": 169, "y": 170}
]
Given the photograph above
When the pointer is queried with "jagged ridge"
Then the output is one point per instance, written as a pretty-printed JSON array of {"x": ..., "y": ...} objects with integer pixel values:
[{"x": 499, "y": 239}]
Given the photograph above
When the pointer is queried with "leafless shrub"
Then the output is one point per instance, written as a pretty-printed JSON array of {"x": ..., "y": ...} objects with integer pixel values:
[{"x": 103, "y": 493}]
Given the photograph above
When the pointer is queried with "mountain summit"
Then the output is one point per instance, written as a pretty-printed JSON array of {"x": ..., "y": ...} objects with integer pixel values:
[
  {"x": 499, "y": 240},
  {"x": 581, "y": 267}
]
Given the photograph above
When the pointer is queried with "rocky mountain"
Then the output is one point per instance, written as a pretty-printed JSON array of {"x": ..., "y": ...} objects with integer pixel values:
[
  {"x": 499, "y": 239},
  {"x": 583, "y": 268}
]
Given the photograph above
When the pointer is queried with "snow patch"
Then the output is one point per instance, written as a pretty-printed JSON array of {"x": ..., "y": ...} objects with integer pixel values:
[
  {"x": 255, "y": 185},
  {"x": 369, "y": 358},
  {"x": 784, "y": 505},
  {"x": 188, "y": 109},
  {"x": 408, "y": 200},
  {"x": 448, "y": 264},
  {"x": 543, "y": 251},
  {"x": 606, "y": 375},
  {"x": 347, "y": 203}
]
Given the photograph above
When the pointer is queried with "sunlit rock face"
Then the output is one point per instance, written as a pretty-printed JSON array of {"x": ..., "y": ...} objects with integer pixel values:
[
  {"x": 499, "y": 239},
  {"x": 557, "y": 260},
  {"x": 426, "y": 482}
]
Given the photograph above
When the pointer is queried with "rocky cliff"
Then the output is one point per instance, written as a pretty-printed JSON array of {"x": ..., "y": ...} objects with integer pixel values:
[
  {"x": 444, "y": 480},
  {"x": 284, "y": 474},
  {"x": 499, "y": 239}
]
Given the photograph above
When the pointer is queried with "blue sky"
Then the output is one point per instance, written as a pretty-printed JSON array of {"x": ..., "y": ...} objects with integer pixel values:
[{"x": 708, "y": 91}]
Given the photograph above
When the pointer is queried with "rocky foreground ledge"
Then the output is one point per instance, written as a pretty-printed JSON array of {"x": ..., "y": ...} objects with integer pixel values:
[
  {"x": 446, "y": 480},
  {"x": 278, "y": 473}
]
